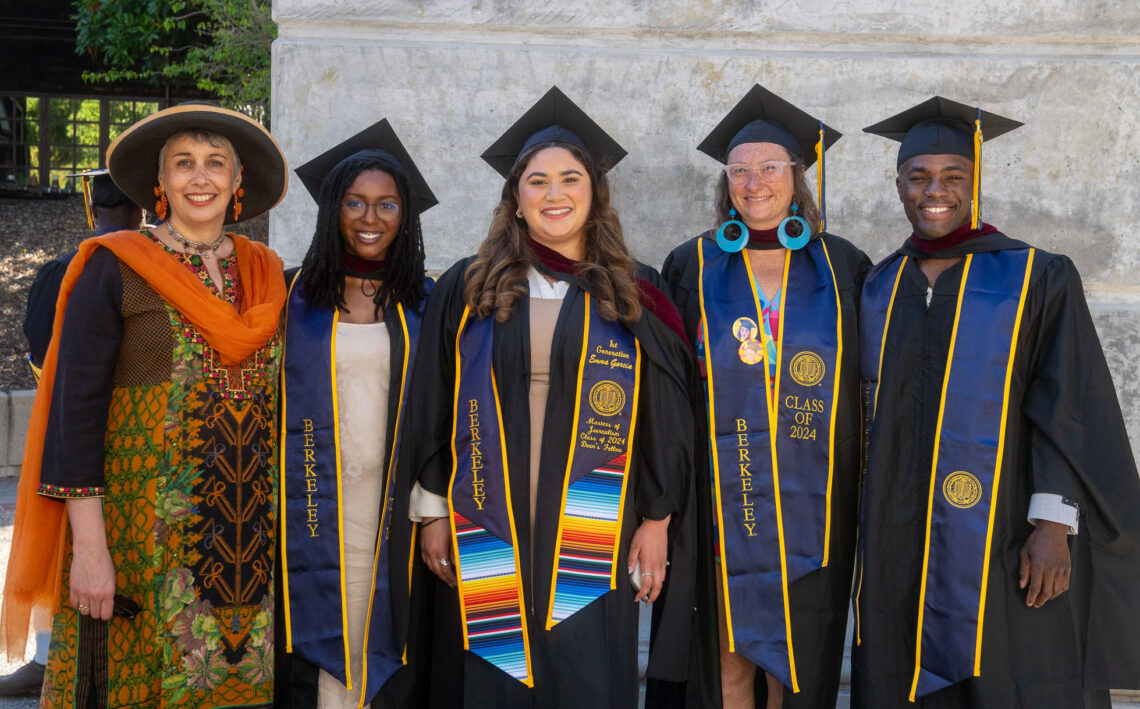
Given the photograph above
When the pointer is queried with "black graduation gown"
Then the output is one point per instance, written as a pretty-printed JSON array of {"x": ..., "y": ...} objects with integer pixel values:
[
  {"x": 42, "y": 296},
  {"x": 296, "y": 679},
  {"x": 1065, "y": 435},
  {"x": 590, "y": 659},
  {"x": 818, "y": 601}
]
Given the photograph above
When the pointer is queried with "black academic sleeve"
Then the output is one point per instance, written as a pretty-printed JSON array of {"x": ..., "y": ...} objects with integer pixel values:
[
  {"x": 1080, "y": 449},
  {"x": 81, "y": 396}
]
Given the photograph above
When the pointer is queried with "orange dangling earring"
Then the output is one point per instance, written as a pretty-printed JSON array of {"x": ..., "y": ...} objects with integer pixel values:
[
  {"x": 237, "y": 197},
  {"x": 160, "y": 204},
  {"x": 237, "y": 203}
]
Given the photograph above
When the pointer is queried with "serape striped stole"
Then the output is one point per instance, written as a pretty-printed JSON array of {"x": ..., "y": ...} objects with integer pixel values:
[
  {"x": 968, "y": 455},
  {"x": 771, "y": 451},
  {"x": 596, "y": 475}
]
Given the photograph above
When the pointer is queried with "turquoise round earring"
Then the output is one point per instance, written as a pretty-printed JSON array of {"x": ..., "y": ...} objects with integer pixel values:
[
  {"x": 799, "y": 225},
  {"x": 736, "y": 245}
]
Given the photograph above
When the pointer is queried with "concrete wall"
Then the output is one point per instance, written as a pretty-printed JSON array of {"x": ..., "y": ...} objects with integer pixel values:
[
  {"x": 15, "y": 410},
  {"x": 658, "y": 74}
]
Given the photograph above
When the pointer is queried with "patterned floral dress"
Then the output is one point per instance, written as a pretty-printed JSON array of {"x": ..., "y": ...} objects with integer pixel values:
[{"x": 184, "y": 455}]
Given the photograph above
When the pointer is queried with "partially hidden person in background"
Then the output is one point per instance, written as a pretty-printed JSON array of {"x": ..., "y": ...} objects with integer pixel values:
[
  {"x": 553, "y": 449},
  {"x": 352, "y": 322},
  {"x": 1000, "y": 545},
  {"x": 108, "y": 210},
  {"x": 146, "y": 513},
  {"x": 770, "y": 302}
]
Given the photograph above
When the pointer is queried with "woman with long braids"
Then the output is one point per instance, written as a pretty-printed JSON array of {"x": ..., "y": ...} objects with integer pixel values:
[
  {"x": 769, "y": 301},
  {"x": 154, "y": 435},
  {"x": 553, "y": 440},
  {"x": 352, "y": 322}
]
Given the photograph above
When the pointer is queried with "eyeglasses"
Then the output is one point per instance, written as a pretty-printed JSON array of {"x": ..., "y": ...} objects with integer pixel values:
[
  {"x": 385, "y": 211},
  {"x": 740, "y": 173}
]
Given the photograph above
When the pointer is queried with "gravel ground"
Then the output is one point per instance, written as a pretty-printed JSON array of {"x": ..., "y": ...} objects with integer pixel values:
[{"x": 35, "y": 232}]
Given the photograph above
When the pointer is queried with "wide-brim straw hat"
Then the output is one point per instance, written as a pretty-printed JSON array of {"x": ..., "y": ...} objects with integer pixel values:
[{"x": 133, "y": 157}]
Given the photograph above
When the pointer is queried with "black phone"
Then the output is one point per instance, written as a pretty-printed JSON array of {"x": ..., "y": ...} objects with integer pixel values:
[{"x": 125, "y": 607}]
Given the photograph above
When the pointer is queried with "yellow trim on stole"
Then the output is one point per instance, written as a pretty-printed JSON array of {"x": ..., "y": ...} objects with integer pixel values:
[
  {"x": 569, "y": 462},
  {"x": 773, "y": 409},
  {"x": 284, "y": 561},
  {"x": 933, "y": 474},
  {"x": 998, "y": 462},
  {"x": 713, "y": 450},
  {"x": 451, "y": 481},
  {"x": 529, "y": 681},
  {"x": 339, "y": 505},
  {"x": 628, "y": 461},
  {"x": 384, "y": 503},
  {"x": 834, "y": 402},
  {"x": 874, "y": 408}
]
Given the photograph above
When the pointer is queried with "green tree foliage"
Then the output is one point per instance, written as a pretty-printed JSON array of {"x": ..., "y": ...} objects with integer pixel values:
[{"x": 220, "y": 46}]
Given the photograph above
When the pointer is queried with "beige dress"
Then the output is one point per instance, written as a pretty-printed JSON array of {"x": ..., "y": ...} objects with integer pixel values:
[
  {"x": 545, "y": 304},
  {"x": 362, "y": 377}
]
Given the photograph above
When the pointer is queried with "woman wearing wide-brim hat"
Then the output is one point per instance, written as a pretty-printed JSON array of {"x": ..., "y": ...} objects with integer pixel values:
[{"x": 154, "y": 429}]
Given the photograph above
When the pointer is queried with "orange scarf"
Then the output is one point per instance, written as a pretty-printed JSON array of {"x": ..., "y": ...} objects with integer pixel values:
[{"x": 35, "y": 566}]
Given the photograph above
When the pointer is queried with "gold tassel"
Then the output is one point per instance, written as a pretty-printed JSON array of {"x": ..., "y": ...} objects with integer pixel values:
[
  {"x": 976, "y": 206},
  {"x": 819, "y": 180}
]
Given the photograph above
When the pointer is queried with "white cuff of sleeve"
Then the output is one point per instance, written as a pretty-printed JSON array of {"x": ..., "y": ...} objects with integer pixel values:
[
  {"x": 425, "y": 504},
  {"x": 1053, "y": 508}
]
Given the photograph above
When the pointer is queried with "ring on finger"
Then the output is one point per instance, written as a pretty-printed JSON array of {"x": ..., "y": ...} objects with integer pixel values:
[
  {"x": 82, "y": 608},
  {"x": 443, "y": 563}
]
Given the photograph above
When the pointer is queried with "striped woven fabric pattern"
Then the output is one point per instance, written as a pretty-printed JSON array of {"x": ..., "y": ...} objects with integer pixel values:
[
  {"x": 491, "y": 598},
  {"x": 589, "y": 537}
]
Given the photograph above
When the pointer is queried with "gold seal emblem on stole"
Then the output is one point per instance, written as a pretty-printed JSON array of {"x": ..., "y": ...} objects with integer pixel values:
[
  {"x": 606, "y": 398},
  {"x": 807, "y": 369},
  {"x": 962, "y": 489}
]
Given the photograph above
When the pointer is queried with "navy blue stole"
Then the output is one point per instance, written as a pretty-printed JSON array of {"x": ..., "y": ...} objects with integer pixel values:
[
  {"x": 968, "y": 455},
  {"x": 312, "y": 549},
  {"x": 771, "y": 456}
]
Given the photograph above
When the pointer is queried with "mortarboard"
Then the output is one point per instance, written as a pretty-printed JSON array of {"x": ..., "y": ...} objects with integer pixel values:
[
  {"x": 99, "y": 190},
  {"x": 553, "y": 119},
  {"x": 763, "y": 117},
  {"x": 378, "y": 136},
  {"x": 939, "y": 126}
]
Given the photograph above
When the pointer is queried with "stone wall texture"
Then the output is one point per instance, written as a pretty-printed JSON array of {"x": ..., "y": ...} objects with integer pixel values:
[{"x": 659, "y": 74}]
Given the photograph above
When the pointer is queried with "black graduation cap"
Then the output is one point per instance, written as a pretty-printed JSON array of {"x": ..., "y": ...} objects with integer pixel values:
[
  {"x": 99, "y": 190},
  {"x": 763, "y": 117},
  {"x": 939, "y": 126},
  {"x": 378, "y": 136},
  {"x": 553, "y": 119}
]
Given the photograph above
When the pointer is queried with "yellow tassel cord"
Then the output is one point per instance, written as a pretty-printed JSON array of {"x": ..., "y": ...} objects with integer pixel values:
[
  {"x": 976, "y": 207},
  {"x": 87, "y": 202},
  {"x": 819, "y": 180}
]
